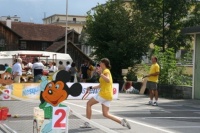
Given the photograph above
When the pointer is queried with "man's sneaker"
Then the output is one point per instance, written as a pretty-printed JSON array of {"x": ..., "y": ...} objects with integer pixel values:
[
  {"x": 85, "y": 125},
  {"x": 155, "y": 104},
  {"x": 150, "y": 103},
  {"x": 125, "y": 123}
]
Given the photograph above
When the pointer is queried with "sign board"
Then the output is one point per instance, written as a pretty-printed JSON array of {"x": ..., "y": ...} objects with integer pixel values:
[
  {"x": 32, "y": 91},
  {"x": 60, "y": 118}
]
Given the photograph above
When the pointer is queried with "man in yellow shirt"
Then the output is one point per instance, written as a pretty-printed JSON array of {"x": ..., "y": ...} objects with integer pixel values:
[{"x": 153, "y": 80}]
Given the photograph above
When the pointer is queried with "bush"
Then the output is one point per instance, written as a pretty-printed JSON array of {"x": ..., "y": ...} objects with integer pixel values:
[
  {"x": 170, "y": 73},
  {"x": 131, "y": 75}
]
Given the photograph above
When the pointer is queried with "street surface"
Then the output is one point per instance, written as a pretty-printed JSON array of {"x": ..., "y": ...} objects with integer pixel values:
[{"x": 171, "y": 116}]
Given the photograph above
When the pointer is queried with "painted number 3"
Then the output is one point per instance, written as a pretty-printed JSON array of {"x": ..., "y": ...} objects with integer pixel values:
[
  {"x": 58, "y": 123},
  {"x": 6, "y": 96}
]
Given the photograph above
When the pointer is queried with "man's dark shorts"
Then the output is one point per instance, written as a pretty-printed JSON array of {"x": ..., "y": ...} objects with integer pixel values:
[{"x": 151, "y": 85}]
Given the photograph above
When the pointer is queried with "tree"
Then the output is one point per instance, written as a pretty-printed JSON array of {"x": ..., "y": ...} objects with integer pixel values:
[
  {"x": 115, "y": 32},
  {"x": 193, "y": 18},
  {"x": 166, "y": 19}
]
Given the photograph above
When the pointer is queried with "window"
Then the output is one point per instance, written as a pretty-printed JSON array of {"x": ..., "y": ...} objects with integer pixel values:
[
  {"x": 74, "y": 19},
  {"x": 53, "y": 18},
  {"x": 23, "y": 45},
  {"x": 44, "y": 45},
  {"x": 16, "y": 20},
  {"x": 185, "y": 57},
  {"x": 2, "y": 42}
]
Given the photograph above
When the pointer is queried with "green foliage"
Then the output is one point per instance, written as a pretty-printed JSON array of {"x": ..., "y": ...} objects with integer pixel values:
[
  {"x": 131, "y": 75},
  {"x": 123, "y": 33},
  {"x": 170, "y": 72},
  {"x": 115, "y": 32},
  {"x": 167, "y": 18},
  {"x": 193, "y": 18}
]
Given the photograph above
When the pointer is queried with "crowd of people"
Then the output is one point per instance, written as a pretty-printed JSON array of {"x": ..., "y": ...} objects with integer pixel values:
[{"x": 37, "y": 68}]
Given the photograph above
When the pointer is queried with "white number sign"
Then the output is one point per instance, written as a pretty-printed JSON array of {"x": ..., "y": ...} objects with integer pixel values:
[{"x": 60, "y": 118}]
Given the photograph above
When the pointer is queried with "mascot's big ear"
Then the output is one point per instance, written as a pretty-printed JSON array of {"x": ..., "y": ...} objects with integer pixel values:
[
  {"x": 63, "y": 75},
  {"x": 75, "y": 90}
]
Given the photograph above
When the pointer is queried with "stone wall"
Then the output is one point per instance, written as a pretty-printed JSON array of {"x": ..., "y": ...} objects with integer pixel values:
[{"x": 176, "y": 92}]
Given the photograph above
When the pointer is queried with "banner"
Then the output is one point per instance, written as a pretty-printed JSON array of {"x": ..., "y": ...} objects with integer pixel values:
[{"x": 32, "y": 91}]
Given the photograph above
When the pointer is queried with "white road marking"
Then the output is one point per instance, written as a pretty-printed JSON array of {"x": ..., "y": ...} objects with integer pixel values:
[
  {"x": 176, "y": 105},
  {"x": 182, "y": 127},
  {"x": 183, "y": 110},
  {"x": 171, "y": 118},
  {"x": 9, "y": 129},
  {"x": 135, "y": 122}
]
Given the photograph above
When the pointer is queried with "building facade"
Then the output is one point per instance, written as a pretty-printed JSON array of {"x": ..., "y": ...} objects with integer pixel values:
[
  {"x": 9, "y": 39},
  {"x": 14, "y": 18},
  {"x": 74, "y": 21}
]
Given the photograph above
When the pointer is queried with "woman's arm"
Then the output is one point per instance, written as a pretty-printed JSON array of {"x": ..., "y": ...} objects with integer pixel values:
[
  {"x": 93, "y": 87},
  {"x": 106, "y": 77},
  {"x": 153, "y": 74}
]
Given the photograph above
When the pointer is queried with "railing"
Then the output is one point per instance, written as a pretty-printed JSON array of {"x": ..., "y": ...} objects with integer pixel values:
[{"x": 69, "y": 22}]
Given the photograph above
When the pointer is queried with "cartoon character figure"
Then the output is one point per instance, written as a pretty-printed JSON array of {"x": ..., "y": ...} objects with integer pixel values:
[
  {"x": 5, "y": 79},
  {"x": 53, "y": 94}
]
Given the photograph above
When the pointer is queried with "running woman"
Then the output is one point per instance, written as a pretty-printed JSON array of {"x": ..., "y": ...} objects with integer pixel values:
[{"x": 105, "y": 95}]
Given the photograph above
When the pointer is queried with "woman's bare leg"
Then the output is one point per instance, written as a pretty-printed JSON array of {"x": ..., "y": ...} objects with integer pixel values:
[
  {"x": 91, "y": 102},
  {"x": 105, "y": 111}
]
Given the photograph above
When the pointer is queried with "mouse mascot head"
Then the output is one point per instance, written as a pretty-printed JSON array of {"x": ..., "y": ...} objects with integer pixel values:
[
  {"x": 53, "y": 93},
  {"x": 57, "y": 90},
  {"x": 5, "y": 79}
]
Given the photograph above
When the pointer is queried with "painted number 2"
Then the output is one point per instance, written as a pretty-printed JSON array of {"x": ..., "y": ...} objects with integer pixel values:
[
  {"x": 58, "y": 123},
  {"x": 59, "y": 120}
]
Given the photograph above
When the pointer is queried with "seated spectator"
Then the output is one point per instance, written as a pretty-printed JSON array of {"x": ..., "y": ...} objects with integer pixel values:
[
  {"x": 128, "y": 88},
  {"x": 73, "y": 70},
  {"x": 68, "y": 66},
  {"x": 8, "y": 68},
  {"x": 37, "y": 69},
  {"x": 52, "y": 67},
  {"x": 61, "y": 66}
]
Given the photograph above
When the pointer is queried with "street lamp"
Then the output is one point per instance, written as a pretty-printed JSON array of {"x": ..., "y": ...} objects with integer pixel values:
[
  {"x": 163, "y": 25},
  {"x": 66, "y": 27}
]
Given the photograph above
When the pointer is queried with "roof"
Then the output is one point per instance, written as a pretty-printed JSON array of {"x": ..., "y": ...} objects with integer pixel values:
[
  {"x": 191, "y": 30},
  {"x": 10, "y": 29},
  {"x": 38, "y": 32},
  {"x": 64, "y": 16},
  {"x": 55, "y": 46},
  {"x": 68, "y": 32}
]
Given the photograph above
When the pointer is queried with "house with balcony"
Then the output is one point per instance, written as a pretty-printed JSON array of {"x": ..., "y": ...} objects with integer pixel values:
[{"x": 75, "y": 22}]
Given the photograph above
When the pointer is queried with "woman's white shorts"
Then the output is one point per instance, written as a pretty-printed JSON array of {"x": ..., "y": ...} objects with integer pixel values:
[{"x": 102, "y": 100}]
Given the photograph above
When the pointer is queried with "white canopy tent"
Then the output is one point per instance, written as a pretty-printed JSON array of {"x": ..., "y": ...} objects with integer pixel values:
[{"x": 7, "y": 56}]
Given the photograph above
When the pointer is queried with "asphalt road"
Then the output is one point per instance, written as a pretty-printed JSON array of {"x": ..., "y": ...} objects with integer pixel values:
[{"x": 171, "y": 116}]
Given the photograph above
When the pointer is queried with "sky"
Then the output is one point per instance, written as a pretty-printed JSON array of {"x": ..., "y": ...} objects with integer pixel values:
[{"x": 35, "y": 10}]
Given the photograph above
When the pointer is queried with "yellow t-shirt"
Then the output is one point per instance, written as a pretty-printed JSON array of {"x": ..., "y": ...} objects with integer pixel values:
[
  {"x": 154, "y": 68},
  {"x": 106, "y": 89}
]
